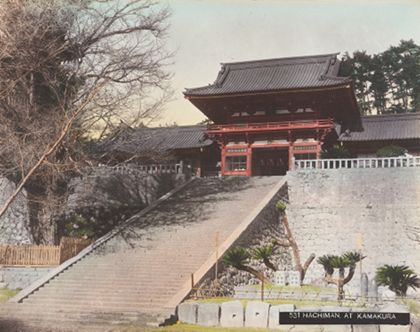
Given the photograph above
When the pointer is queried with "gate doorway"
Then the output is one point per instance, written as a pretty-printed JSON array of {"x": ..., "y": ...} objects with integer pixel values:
[{"x": 270, "y": 161}]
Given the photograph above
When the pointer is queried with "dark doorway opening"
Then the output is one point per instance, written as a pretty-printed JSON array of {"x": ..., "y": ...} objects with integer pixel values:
[{"x": 270, "y": 161}]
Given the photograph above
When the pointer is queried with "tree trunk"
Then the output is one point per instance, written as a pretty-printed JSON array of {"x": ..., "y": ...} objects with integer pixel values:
[
  {"x": 295, "y": 250},
  {"x": 350, "y": 274},
  {"x": 292, "y": 243},
  {"x": 305, "y": 267},
  {"x": 340, "y": 284},
  {"x": 269, "y": 264}
]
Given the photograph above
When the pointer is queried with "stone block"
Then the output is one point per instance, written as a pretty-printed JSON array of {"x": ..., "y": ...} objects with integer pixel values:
[
  {"x": 335, "y": 328},
  {"x": 393, "y": 307},
  {"x": 388, "y": 295},
  {"x": 373, "y": 291},
  {"x": 294, "y": 278},
  {"x": 395, "y": 328},
  {"x": 365, "y": 328},
  {"x": 256, "y": 314},
  {"x": 187, "y": 312},
  {"x": 232, "y": 314},
  {"x": 364, "y": 285},
  {"x": 208, "y": 314},
  {"x": 280, "y": 278},
  {"x": 274, "y": 312}
]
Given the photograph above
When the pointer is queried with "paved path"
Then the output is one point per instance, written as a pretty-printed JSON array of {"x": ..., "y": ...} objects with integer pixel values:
[{"x": 136, "y": 273}]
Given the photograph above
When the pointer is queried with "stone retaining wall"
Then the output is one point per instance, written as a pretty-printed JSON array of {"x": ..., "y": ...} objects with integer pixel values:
[
  {"x": 21, "y": 277},
  {"x": 14, "y": 225},
  {"x": 333, "y": 211},
  {"x": 99, "y": 192}
]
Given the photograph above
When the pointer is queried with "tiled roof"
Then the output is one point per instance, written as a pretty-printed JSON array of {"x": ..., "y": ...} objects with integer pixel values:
[
  {"x": 158, "y": 139},
  {"x": 386, "y": 127},
  {"x": 274, "y": 74}
]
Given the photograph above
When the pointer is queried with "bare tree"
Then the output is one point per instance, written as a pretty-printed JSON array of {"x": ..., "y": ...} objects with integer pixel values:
[{"x": 68, "y": 67}]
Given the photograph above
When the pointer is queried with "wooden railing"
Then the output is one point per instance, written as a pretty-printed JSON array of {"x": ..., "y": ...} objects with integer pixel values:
[
  {"x": 161, "y": 168},
  {"x": 147, "y": 168},
  {"x": 264, "y": 126},
  {"x": 41, "y": 255},
  {"x": 392, "y": 162}
]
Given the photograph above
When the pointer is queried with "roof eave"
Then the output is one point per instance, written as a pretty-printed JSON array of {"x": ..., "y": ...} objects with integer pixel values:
[{"x": 339, "y": 85}]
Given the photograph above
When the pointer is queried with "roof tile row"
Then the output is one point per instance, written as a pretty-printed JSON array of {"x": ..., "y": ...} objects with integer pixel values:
[{"x": 274, "y": 74}]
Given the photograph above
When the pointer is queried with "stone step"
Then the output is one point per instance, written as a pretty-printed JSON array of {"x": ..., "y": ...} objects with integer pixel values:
[
  {"x": 156, "y": 284},
  {"x": 128, "y": 274},
  {"x": 150, "y": 265},
  {"x": 64, "y": 316},
  {"x": 147, "y": 269},
  {"x": 84, "y": 306},
  {"x": 14, "y": 308},
  {"x": 73, "y": 286},
  {"x": 162, "y": 276},
  {"x": 106, "y": 295}
]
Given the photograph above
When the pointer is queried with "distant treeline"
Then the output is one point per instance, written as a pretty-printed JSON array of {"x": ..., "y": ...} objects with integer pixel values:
[{"x": 387, "y": 82}]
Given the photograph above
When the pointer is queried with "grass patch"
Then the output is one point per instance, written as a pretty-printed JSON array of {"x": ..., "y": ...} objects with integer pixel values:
[
  {"x": 298, "y": 303},
  {"x": 181, "y": 327},
  {"x": 413, "y": 306},
  {"x": 6, "y": 294},
  {"x": 302, "y": 289}
]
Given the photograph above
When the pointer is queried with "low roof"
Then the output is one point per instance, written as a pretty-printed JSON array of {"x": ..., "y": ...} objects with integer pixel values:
[
  {"x": 386, "y": 127},
  {"x": 274, "y": 74},
  {"x": 140, "y": 140}
]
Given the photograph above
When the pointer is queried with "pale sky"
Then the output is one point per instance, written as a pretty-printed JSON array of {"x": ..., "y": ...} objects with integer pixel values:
[{"x": 204, "y": 33}]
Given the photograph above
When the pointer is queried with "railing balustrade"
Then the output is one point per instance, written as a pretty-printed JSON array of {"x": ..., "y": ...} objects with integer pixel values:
[
  {"x": 147, "y": 168},
  {"x": 389, "y": 162},
  {"x": 302, "y": 124}
]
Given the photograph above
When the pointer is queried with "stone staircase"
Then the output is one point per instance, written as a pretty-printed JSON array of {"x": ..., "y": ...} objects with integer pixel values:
[{"x": 143, "y": 271}]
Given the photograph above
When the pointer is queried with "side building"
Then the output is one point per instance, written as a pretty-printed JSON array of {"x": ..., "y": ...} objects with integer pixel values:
[
  {"x": 162, "y": 146},
  {"x": 383, "y": 130}
]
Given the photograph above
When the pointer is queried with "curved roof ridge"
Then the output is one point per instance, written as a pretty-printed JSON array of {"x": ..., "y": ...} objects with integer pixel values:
[
  {"x": 282, "y": 59},
  {"x": 309, "y": 71}
]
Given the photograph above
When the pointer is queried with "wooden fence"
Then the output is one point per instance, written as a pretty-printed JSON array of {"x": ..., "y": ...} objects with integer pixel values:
[{"x": 41, "y": 255}]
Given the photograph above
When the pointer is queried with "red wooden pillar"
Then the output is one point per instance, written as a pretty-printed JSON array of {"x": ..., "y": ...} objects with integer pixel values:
[
  {"x": 249, "y": 161},
  {"x": 291, "y": 155},
  {"x": 222, "y": 159},
  {"x": 318, "y": 150}
]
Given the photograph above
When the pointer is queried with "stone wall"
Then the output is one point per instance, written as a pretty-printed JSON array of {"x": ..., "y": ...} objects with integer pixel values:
[
  {"x": 14, "y": 225},
  {"x": 102, "y": 191},
  {"x": 105, "y": 196},
  {"x": 103, "y": 187},
  {"x": 333, "y": 211},
  {"x": 21, "y": 277}
]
